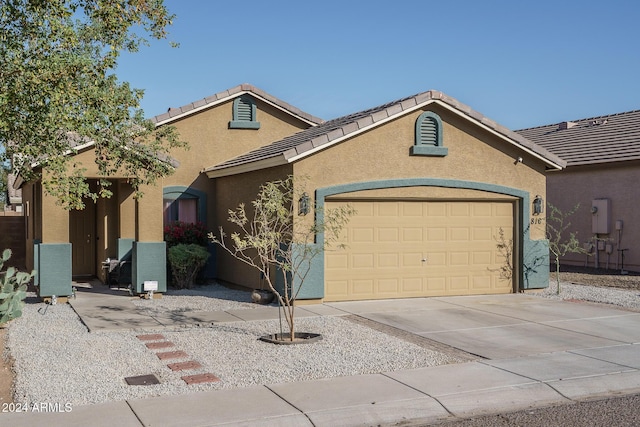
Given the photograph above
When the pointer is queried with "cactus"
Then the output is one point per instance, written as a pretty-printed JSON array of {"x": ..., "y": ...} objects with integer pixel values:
[{"x": 13, "y": 290}]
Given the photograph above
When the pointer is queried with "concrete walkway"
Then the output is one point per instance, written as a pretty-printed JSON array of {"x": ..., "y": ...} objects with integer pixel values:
[{"x": 532, "y": 352}]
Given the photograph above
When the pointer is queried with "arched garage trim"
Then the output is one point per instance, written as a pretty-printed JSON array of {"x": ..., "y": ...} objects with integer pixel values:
[{"x": 532, "y": 256}]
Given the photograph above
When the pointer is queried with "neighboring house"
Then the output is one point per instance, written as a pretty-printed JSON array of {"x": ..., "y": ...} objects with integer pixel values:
[
  {"x": 433, "y": 182},
  {"x": 602, "y": 175}
]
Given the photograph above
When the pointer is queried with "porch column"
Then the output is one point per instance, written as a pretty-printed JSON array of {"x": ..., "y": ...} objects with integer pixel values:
[
  {"x": 127, "y": 205},
  {"x": 52, "y": 256},
  {"x": 149, "y": 250}
]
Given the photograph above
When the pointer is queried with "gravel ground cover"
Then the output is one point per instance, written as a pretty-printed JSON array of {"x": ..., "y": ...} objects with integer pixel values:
[{"x": 58, "y": 360}]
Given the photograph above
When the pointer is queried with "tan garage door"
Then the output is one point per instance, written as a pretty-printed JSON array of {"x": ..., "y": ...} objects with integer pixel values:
[{"x": 399, "y": 249}]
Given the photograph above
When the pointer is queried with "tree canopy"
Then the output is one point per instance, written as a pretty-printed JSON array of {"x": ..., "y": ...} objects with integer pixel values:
[{"x": 59, "y": 90}]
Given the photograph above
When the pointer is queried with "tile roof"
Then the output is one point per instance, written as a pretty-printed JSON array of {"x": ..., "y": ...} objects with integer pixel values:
[
  {"x": 313, "y": 139},
  {"x": 217, "y": 98},
  {"x": 603, "y": 139}
]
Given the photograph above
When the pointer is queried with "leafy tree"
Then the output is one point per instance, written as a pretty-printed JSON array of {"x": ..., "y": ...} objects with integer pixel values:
[
  {"x": 3, "y": 185},
  {"x": 559, "y": 243},
  {"x": 269, "y": 240},
  {"x": 58, "y": 90}
]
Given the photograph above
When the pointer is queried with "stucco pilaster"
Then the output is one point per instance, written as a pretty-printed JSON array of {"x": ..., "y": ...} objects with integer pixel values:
[{"x": 149, "y": 214}]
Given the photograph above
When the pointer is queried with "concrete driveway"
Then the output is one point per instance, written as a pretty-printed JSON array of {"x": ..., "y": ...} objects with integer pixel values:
[{"x": 505, "y": 326}]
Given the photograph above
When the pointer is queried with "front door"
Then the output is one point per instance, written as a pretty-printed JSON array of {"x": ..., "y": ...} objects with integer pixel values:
[{"x": 82, "y": 235}]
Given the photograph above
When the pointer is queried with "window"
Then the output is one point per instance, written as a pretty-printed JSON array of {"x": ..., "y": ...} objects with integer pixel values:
[
  {"x": 183, "y": 204},
  {"x": 185, "y": 210},
  {"x": 244, "y": 114},
  {"x": 428, "y": 138}
]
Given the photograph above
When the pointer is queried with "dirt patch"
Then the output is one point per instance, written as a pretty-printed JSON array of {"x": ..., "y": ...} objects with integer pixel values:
[{"x": 6, "y": 371}]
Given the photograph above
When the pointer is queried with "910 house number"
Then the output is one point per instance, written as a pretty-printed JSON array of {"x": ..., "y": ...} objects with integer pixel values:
[{"x": 537, "y": 221}]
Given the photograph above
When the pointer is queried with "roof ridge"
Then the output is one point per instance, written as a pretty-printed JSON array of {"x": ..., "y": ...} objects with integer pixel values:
[
  {"x": 211, "y": 100},
  {"x": 330, "y": 132},
  {"x": 580, "y": 120}
]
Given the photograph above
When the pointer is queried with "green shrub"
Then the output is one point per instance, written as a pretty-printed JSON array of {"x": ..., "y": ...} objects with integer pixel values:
[
  {"x": 13, "y": 290},
  {"x": 186, "y": 261}
]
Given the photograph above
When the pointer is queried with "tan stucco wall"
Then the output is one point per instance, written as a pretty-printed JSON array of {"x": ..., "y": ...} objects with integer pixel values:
[
  {"x": 383, "y": 153},
  {"x": 212, "y": 142},
  {"x": 230, "y": 192},
  {"x": 582, "y": 185}
]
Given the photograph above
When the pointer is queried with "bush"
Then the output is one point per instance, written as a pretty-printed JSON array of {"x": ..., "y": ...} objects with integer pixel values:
[
  {"x": 186, "y": 260},
  {"x": 13, "y": 290},
  {"x": 179, "y": 232}
]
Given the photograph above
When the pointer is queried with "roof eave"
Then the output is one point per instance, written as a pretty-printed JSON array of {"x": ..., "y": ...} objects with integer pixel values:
[{"x": 270, "y": 162}]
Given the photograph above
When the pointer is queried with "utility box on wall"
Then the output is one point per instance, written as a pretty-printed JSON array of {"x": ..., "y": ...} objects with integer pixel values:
[{"x": 600, "y": 216}]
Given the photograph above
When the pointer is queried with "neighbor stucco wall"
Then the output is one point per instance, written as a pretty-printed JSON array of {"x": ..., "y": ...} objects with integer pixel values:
[{"x": 581, "y": 185}]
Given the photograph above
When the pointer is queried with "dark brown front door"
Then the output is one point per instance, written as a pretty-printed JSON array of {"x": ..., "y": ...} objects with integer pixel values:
[{"x": 82, "y": 235}]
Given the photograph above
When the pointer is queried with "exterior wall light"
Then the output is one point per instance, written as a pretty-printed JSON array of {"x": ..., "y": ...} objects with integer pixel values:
[
  {"x": 538, "y": 205},
  {"x": 303, "y": 204}
]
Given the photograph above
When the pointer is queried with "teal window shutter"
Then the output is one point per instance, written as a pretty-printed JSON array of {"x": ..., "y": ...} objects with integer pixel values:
[
  {"x": 428, "y": 138},
  {"x": 244, "y": 114}
]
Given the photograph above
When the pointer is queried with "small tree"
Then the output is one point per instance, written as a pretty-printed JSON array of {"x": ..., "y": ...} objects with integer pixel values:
[
  {"x": 271, "y": 241},
  {"x": 559, "y": 243}
]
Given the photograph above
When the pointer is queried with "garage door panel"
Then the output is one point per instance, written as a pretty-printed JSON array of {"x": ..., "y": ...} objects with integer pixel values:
[
  {"x": 458, "y": 258},
  {"x": 387, "y": 241},
  {"x": 362, "y": 260},
  {"x": 388, "y": 286},
  {"x": 412, "y": 285},
  {"x": 436, "y": 259},
  {"x": 459, "y": 283},
  {"x": 435, "y": 235},
  {"x": 388, "y": 235},
  {"x": 362, "y": 235},
  {"x": 459, "y": 209},
  {"x": 482, "y": 258},
  {"x": 388, "y": 209},
  {"x": 388, "y": 260},
  {"x": 412, "y": 234},
  {"x": 459, "y": 234},
  {"x": 483, "y": 233},
  {"x": 412, "y": 259},
  {"x": 482, "y": 282},
  {"x": 412, "y": 209},
  {"x": 362, "y": 287},
  {"x": 485, "y": 210},
  {"x": 334, "y": 260}
]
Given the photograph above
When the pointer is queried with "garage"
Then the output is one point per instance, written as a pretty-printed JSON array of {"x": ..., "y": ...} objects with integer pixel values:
[
  {"x": 398, "y": 249},
  {"x": 433, "y": 183}
]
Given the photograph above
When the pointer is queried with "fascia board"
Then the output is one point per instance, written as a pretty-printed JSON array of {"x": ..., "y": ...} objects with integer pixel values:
[{"x": 278, "y": 160}]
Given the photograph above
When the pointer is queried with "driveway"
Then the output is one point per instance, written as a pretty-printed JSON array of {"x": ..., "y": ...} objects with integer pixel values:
[{"x": 505, "y": 326}]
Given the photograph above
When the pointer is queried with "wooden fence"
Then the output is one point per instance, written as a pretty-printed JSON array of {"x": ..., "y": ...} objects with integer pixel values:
[{"x": 12, "y": 236}]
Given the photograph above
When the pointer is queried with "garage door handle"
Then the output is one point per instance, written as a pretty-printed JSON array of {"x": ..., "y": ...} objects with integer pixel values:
[{"x": 424, "y": 260}]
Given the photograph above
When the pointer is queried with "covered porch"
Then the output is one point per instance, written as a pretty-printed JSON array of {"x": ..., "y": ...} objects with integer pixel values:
[{"x": 79, "y": 244}]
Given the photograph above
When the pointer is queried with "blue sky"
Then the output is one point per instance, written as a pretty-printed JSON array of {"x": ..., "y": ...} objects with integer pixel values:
[{"x": 521, "y": 63}]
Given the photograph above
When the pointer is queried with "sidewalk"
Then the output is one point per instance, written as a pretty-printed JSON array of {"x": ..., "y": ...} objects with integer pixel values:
[{"x": 535, "y": 352}]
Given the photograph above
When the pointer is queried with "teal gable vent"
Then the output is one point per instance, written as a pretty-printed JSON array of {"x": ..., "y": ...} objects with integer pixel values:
[
  {"x": 244, "y": 114},
  {"x": 428, "y": 138}
]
